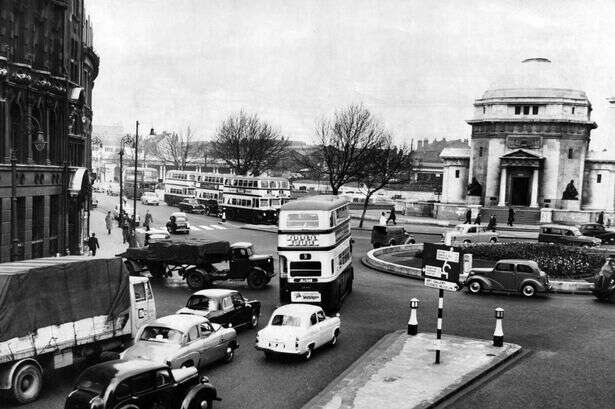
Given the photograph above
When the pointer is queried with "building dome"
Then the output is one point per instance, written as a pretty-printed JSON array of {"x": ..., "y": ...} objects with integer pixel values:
[{"x": 534, "y": 78}]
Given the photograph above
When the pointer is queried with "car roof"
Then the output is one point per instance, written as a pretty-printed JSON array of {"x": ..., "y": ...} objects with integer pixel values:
[
  {"x": 215, "y": 292},
  {"x": 517, "y": 261},
  {"x": 297, "y": 309},
  {"x": 123, "y": 368},
  {"x": 320, "y": 202},
  {"x": 559, "y": 226},
  {"x": 241, "y": 244},
  {"x": 180, "y": 322},
  {"x": 178, "y": 214}
]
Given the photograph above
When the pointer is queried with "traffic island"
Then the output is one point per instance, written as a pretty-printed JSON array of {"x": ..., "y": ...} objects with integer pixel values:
[{"x": 399, "y": 372}]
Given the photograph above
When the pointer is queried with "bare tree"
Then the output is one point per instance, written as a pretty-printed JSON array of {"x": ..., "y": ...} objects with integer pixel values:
[
  {"x": 346, "y": 144},
  {"x": 176, "y": 149},
  {"x": 248, "y": 145},
  {"x": 386, "y": 163}
]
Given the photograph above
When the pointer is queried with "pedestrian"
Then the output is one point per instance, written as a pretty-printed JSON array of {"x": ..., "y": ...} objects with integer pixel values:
[
  {"x": 93, "y": 244},
  {"x": 477, "y": 219},
  {"x": 600, "y": 218},
  {"x": 125, "y": 230},
  {"x": 132, "y": 238},
  {"x": 392, "y": 216},
  {"x": 492, "y": 223},
  {"x": 109, "y": 222},
  {"x": 511, "y": 216},
  {"x": 148, "y": 220},
  {"x": 468, "y": 216},
  {"x": 383, "y": 219}
]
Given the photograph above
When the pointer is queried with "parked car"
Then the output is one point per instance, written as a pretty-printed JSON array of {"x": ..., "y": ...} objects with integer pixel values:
[
  {"x": 512, "y": 275},
  {"x": 390, "y": 236},
  {"x": 128, "y": 210},
  {"x": 150, "y": 198},
  {"x": 182, "y": 340},
  {"x": 224, "y": 307},
  {"x": 297, "y": 329},
  {"x": 567, "y": 235},
  {"x": 469, "y": 233},
  {"x": 191, "y": 206},
  {"x": 140, "y": 384},
  {"x": 178, "y": 223},
  {"x": 599, "y": 231}
]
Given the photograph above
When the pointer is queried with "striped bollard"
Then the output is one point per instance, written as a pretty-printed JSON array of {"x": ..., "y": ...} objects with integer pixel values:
[
  {"x": 439, "y": 327},
  {"x": 413, "y": 323},
  {"x": 223, "y": 216},
  {"x": 498, "y": 334}
]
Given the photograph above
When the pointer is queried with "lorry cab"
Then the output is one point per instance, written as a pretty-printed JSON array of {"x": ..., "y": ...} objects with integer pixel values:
[{"x": 142, "y": 301}]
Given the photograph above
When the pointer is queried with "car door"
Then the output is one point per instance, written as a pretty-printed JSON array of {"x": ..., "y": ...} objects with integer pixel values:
[
  {"x": 137, "y": 390},
  {"x": 210, "y": 351},
  {"x": 504, "y": 276},
  {"x": 228, "y": 311},
  {"x": 241, "y": 313},
  {"x": 312, "y": 330},
  {"x": 191, "y": 348},
  {"x": 240, "y": 264},
  {"x": 524, "y": 272},
  {"x": 219, "y": 341}
]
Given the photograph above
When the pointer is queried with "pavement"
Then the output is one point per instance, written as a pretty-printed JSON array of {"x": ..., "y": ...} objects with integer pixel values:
[{"x": 399, "y": 372}]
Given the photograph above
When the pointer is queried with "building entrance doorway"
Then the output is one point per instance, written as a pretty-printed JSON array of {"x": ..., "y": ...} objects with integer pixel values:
[{"x": 519, "y": 191}]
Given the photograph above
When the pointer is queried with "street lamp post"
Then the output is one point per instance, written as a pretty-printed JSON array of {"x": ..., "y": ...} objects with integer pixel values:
[
  {"x": 120, "y": 215},
  {"x": 134, "y": 187}
]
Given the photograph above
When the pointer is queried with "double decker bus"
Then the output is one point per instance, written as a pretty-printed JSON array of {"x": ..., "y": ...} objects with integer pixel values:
[
  {"x": 179, "y": 185},
  {"x": 147, "y": 180},
  {"x": 209, "y": 191},
  {"x": 254, "y": 199},
  {"x": 315, "y": 250}
]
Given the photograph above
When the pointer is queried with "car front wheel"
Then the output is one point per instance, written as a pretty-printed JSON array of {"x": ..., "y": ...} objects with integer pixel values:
[
  {"x": 528, "y": 290},
  {"x": 333, "y": 341},
  {"x": 475, "y": 287}
]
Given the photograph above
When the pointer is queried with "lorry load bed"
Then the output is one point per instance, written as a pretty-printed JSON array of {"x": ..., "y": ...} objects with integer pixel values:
[
  {"x": 46, "y": 294},
  {"x": 188, "y": 251}
]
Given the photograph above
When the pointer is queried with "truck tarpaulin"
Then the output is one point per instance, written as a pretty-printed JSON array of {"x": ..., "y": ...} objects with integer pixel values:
[
  {"x": 51, "y": 291},
  {"x": 193, "y": 251}
]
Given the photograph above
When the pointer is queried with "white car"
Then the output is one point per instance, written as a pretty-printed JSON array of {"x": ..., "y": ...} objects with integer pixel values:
[
  {"x": 297, "y": 329},
  {"x": 150, "y": 198},
  {"x": 469, "y": 233}
]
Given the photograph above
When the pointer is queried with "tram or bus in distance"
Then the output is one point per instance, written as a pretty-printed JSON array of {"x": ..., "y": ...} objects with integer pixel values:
[
  {"x": 254, "y": 199},
  {"x": 179, "y": 185},
  {"x": 209, "y": 191},
  {"x": 147, "y": 180},
  {"x": 315, "y": 250}
]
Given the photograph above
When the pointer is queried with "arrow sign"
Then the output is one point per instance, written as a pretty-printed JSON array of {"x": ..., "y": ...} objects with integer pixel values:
[{"x": 441, "y": 285}]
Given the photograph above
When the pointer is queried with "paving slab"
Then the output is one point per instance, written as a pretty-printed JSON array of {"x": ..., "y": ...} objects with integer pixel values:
[{"x": 399, "y": 372}]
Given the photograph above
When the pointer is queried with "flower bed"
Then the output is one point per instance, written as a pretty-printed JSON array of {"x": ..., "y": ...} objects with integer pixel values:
[{"x": 556, "y": 261}]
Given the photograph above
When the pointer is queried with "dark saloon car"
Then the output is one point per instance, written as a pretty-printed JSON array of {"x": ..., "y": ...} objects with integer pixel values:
[
  {"x": 599, "y": 231},
  {"x": 513, "y": 275},
  {"x": 390, "y": 236},
  {"x": 191, "y": 206},
  {"x": 140, "y": 384},
  {"x": 224, "y": 307},
  {"x": 178, "y": 223},
  {"x": 566, "y": 235}
]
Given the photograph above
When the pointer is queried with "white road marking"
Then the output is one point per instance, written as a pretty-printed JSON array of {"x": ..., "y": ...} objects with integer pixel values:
[
  {"x": 215, "y": 226},
  {"x": 205, "y": 227},
  {"x": 194, "y": 228}
]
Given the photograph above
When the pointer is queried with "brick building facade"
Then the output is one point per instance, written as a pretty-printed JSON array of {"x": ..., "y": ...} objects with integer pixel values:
[{"x": 47, "y": 71}]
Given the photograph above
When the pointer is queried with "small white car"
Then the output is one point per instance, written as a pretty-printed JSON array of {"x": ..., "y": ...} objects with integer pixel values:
[
  {"x": 297, "y": 329},
  {"x": 469, "y": 233},
  {"x": 150, "y": 198}
]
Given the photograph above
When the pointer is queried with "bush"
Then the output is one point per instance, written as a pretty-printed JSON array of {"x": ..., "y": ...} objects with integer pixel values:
[{"x": 556, "y": 261}]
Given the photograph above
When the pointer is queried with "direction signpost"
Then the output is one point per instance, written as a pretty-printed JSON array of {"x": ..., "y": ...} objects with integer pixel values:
[{"x": 442, "y": 266}]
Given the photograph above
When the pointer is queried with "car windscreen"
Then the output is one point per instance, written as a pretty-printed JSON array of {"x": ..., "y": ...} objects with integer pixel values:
[
  {"x": 93, "y": 381},
  {"x": 288, "y": 320},
  {"x": 249, "y": 251},
  {"x": 161, "y": 334},
  {"x": 202, "y": 303}
]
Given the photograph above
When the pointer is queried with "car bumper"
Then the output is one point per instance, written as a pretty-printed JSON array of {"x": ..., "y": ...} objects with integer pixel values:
[{"x": 278, "y": 350}]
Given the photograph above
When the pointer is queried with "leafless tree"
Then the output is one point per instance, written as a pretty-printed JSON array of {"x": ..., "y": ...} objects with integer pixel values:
[
  {"x": 346, "y": 144},
  {"x": 248, "y": 145},
  {"x": 175, "y": 149},
  {"x": 386, "y": 163}
]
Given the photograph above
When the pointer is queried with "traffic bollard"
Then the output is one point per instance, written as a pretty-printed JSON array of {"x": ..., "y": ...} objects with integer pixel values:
[
  {"x": 498, "y": 334},
  {"x": 223, "y": 216},
  {"x": 413, "y": 323}
]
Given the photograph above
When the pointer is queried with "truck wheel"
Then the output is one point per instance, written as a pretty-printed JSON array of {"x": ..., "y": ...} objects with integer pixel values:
[
  {"x": 27, "y": 383},
  {"x": 256, "y": 280},
  {"x": 195, "y": 280}
]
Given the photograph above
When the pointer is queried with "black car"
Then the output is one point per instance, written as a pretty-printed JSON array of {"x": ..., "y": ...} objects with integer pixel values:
[
  {"x": 224, "y": 307},
  {"x": 140, "y": 384},
  {"x": 390, "y": 236},
  {"x": 191, "y": 206},
  {"x": 599, "y": 231}
]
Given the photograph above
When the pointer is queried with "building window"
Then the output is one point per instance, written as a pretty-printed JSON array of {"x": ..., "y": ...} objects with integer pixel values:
[
  {"x": 569, "y": 153},
  {"x": 480, "y": 151},
  {"x": 457, "y": 173},
  {"x": 517, "y": 109},
  {"x": 526, "y": 109},
  {"x": 38, "y": 217},
  {"x": 534, "y": 109},
  {"x": 599, "y": 178}
]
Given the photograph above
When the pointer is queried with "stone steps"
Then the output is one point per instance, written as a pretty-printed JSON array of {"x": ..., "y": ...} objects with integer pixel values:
[{"x": 523, "y": 215}]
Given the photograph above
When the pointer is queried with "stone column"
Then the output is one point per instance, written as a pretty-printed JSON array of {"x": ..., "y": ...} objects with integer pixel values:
[
  {"x": 502, "y": 201},
  {"x": 534, "y": 196},
  {"x": 7, "y": 131}
]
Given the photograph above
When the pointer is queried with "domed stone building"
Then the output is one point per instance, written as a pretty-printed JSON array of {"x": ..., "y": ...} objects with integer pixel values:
[{"x": 529, "y": 149}]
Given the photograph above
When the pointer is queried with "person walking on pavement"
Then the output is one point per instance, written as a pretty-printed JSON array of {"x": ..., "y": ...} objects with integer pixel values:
[
  {"x": 93, "y": 244},
  {"x": 511, "y": 216},
  {"x": 468, "y": 216},
  {"x": 109, "y": 222},
  {"x": 600, "y": 218},
  {"x": 148, "y": 220},
  {"x": 492, "y": 223},
  {"x": 477, "y": 219},
  {"x": 125, "y": 229},
  {"x": 383, "y": 219},
  {"x": 392, "y": 216}
]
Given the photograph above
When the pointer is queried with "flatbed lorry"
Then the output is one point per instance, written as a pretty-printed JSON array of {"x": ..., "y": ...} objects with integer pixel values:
[{"x": 54, "y": 310}]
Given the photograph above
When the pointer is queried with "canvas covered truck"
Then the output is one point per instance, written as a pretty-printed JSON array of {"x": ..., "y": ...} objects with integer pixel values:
[{"x": 55, "y": 310}]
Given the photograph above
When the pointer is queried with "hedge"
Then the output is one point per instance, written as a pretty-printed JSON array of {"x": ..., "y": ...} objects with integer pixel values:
[{"x": 557, "y": 261}]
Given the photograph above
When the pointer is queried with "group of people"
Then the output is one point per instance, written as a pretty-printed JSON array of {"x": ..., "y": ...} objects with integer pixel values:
[
  {"x": 383, "y": 221},
  {"x": 492, "y": 220}
]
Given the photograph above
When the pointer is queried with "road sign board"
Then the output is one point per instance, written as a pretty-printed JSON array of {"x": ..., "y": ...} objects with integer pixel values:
[
  {"x": 447, "y": 259},
  {"x": 447, "y": 255},
  {"x": 433, "y": 271},
  {"x": 441, "y": 285}
]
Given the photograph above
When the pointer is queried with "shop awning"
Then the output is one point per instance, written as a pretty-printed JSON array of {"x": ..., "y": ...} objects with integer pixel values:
[{"x": 79, "y": 179}]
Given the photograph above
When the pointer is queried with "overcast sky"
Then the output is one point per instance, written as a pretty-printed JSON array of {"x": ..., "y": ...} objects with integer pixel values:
[{"x": 417, "y": 65}]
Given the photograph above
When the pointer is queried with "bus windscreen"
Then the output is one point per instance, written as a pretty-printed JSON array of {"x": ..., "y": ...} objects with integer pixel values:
[{"x": 302, "y": 220}]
